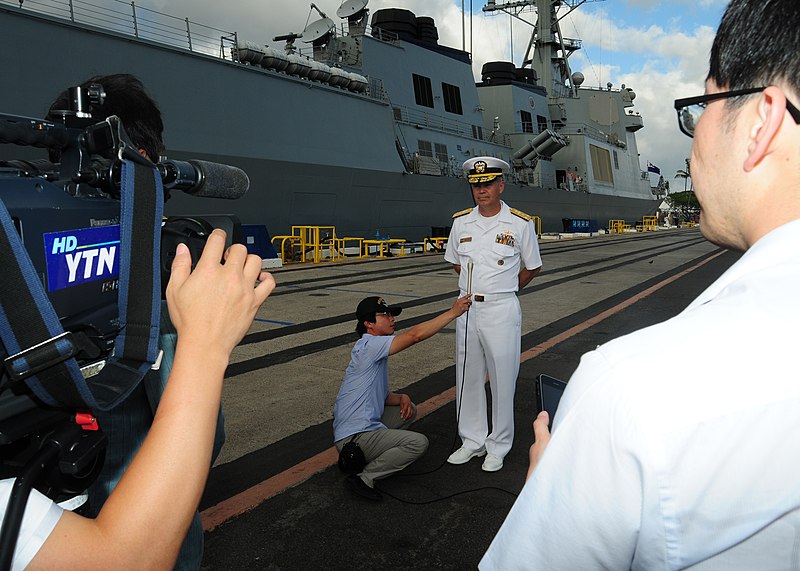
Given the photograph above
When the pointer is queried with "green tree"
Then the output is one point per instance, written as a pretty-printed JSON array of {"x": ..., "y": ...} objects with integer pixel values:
[
  {"x": 686, "y": 175},
  {"x": 685, "y": 203}
]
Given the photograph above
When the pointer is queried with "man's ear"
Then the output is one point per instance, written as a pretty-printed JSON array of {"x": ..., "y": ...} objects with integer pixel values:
[{"x": 771, "y": 112}]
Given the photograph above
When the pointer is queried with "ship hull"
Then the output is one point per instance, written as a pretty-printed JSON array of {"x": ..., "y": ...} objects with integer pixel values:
[
  {"x": 361, "y": 202},
  {"x": 315, "y": 155}
]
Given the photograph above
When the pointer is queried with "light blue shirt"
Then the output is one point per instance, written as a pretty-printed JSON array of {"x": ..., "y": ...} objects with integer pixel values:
[{"x": 359, "y": 404}]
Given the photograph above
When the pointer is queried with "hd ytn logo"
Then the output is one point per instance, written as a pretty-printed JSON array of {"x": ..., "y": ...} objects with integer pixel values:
[{"x": 81, "y": 256}]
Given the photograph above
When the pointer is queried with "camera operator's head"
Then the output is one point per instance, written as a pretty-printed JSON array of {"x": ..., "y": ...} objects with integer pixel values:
[{"x": 127, "y": 99}]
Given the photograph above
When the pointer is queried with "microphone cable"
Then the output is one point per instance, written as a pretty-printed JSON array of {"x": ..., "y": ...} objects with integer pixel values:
[{"x": 455, "y": 436}]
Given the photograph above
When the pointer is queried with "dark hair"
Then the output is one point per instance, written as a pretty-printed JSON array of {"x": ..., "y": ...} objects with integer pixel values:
[
  {"x": 757, "y": 44},
  {"x": 361, "y": 328},
  {"x": 127, "y": 99}
]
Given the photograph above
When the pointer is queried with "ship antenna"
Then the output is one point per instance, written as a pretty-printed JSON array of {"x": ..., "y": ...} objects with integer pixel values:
[{"x": 553, "y": 67}]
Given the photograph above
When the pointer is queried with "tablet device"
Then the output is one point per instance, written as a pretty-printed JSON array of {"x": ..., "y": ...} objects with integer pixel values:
[{"x": 548, "y": 393}]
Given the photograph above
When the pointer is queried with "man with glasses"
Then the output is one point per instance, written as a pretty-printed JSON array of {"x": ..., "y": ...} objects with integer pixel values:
[
  {"x": 495, "y": 252},
  {"x": 698, "y": 470},
  {"x": 366, "y": 412}
]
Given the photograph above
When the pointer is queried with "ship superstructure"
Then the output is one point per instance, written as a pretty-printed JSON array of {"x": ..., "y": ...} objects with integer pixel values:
[{"x": 363, "y": 125}]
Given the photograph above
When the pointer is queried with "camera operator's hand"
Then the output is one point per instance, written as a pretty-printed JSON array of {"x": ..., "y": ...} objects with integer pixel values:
[
  {"x": 212, "y": 308},
  {"x": 215, "y": 304}
]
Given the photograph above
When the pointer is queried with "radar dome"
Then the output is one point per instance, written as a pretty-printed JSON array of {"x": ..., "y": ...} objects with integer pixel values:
[{"x": 577, "y": 79}]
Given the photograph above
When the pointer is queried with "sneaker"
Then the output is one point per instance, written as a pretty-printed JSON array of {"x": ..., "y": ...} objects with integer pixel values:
[
  {"x": 357, "y": 486},
  {"x": 492, "y": 463},
  {"x": 464, "y": 455}
]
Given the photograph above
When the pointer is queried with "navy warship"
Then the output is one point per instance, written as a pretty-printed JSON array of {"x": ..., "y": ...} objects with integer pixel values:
[{"x": 361, "y": 122}]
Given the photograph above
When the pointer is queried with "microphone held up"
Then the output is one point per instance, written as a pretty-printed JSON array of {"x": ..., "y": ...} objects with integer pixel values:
[{"x": 204, "y": 179}]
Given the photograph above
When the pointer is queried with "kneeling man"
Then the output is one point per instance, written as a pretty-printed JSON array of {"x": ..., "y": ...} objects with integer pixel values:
[{"x": 366, "y": 412}]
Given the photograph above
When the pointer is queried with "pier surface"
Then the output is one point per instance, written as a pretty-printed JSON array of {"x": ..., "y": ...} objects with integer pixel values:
[{"x": 276, "y": 500}]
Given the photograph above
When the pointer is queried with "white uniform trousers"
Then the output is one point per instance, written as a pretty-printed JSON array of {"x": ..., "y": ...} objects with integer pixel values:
[{"x": 492, "y": 330}]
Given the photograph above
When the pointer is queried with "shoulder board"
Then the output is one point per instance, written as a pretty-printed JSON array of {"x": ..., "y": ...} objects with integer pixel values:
[
  {"x": 462, "y": 212},
  {"x": 520, "y": 213}
]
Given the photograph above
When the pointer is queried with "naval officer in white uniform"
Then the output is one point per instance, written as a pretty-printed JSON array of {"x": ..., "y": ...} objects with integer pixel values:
[{"x": 494, "y": 251}]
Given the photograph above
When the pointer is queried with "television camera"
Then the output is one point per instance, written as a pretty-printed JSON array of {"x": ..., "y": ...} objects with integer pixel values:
[{"x": 68, "y": 218}]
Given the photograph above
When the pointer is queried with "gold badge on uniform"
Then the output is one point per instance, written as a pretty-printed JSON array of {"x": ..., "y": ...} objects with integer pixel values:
[{"x": 465, "y": 239}]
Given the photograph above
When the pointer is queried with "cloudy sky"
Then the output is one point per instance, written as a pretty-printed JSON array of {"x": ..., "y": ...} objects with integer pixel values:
[{"x": 657, "y": 47}]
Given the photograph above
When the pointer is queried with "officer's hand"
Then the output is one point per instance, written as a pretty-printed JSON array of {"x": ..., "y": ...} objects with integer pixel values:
[{"x": 462, "y": 304}]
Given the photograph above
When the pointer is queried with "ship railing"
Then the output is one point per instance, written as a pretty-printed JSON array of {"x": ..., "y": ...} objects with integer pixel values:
[
  {"x": 383, "y": 35},
  {"x": 420, "y": 119},
  {"x": 127, "y": 18},
  {"x": 528, "y": 177},
  {"x": 587, "y": 130}
]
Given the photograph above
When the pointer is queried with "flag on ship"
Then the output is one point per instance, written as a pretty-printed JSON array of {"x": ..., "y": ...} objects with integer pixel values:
[{"x": 653, "y": 168}]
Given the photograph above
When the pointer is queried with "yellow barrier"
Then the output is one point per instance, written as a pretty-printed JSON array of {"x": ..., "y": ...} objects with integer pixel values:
[
  {"x": 616, "y": 226},
  {"x": 310, "y": 241},
  {"x": 286, "y": 246},
  {"x": 437, "y": 244},
  {"x": 384, "y": 246},
  {"x": 649, "y": 223},
  {"x": 342, "y": 245},
  {"x": 318, "y": 243},
  {"x": 537, "y": 225}
]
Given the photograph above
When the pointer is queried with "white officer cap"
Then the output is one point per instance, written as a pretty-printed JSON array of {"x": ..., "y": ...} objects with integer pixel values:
[{"x": 484, "y": 169}]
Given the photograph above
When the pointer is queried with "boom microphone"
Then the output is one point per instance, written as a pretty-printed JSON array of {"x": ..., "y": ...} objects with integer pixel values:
[{"x": 204, "y": 179}]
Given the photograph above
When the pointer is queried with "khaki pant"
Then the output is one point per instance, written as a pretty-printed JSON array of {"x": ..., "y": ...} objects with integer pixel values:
[{"x": 389, "y": 449}]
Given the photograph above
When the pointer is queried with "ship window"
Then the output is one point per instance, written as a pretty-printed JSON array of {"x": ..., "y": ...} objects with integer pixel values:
[
  {"x": 441, "y": 153},
  {"x": 616, "y": 160},
  {"x": 398, "y": 114},
  {"x": 601, "y": 164},
  {"x": 541, "y": 123},
  {"x": 422, "y": 90},
  {"x": 425, "y": 148},
  {"x": 527, "y": 122},
  {"x": 452, "y": 98},
  {"x": 477, "y": 132}
]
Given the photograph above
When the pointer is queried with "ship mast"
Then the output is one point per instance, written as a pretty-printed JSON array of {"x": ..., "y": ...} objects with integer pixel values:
[{"x": 548, "y": 50}]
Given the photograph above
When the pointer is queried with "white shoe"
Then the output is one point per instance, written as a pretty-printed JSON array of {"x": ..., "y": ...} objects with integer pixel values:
[
  {"x": 492, "y": 463},
  {"x": 464, "y": 455}
]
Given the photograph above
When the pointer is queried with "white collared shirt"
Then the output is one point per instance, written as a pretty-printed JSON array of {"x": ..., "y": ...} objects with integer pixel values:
[
  {"x": 499, "y": 247},
  {"x": 695, "y": 463}
]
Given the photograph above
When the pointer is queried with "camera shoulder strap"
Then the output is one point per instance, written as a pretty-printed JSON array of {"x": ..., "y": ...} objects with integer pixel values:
[{"x": 41, "y": 353}]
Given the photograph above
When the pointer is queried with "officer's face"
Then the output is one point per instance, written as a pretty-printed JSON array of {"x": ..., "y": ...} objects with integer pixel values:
[{"x": 487, "y": 194}]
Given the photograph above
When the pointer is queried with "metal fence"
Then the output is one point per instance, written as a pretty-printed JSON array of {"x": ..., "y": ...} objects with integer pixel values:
[{"x": 129, "y": 19}]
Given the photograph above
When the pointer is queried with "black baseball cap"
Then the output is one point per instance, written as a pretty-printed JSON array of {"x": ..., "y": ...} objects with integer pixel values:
[{"x": 369, "y": 306}]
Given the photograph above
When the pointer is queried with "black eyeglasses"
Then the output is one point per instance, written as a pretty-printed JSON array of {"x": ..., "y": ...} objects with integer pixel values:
[{"x": 690, "y": 109}]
